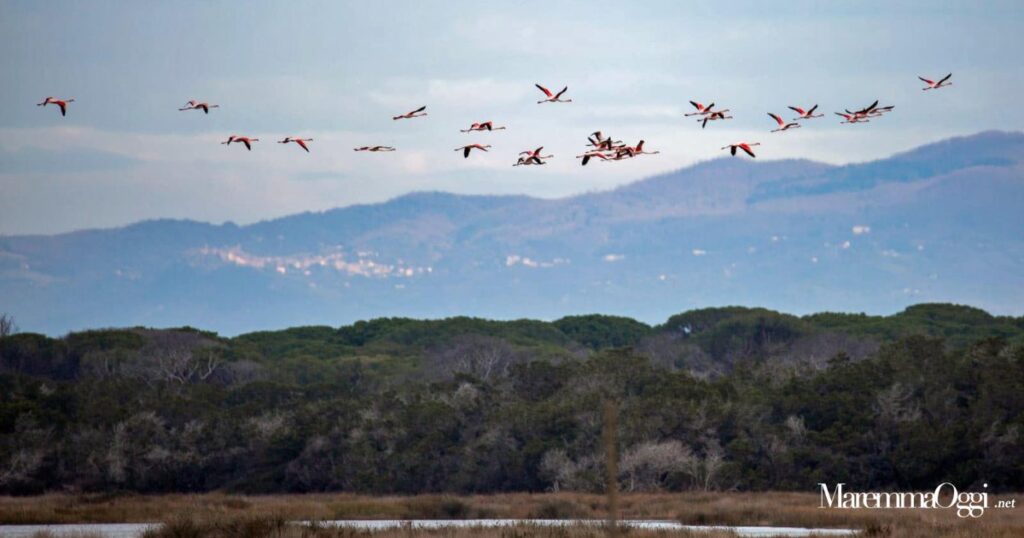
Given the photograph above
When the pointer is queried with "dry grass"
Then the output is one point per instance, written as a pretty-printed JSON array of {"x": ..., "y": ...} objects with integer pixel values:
[
  {"x": 771, "y": 508},
  {"x": 48, "y": 534},
  {"x": 801, "y": 510},
  {"x": 271, "y": 527}
]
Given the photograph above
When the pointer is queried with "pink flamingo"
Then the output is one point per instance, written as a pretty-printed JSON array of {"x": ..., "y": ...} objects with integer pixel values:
[
  {"x": 701, "y": 109},
  {"x": 805, "y": 115},
  {"x": 241, "y": 139},
  {"x": 869, "y": 110},
  {"x": 876, "y": 112},
  {"x": 197, "y": 105},
  {"x": 532, "y": 157},
  {"x": 932, "y": 85},
  {"x": 374, "y": 148},
  {"x": 639, "y": 150},
  {"x": 713, "y": 116},
  {"x": 535, "y": 154},
  {"x": 745, "y": 146},
  {"x": 524, "y": 161},
  {"x": 484, "y": 126},
  {"x": 623, "y": 152},
  {"x": 470, "y": 147},
  {"x": 552, "y": 98},
  {"x": 595, "y": 139},
  {"x": 300, "y": 141},
  {"x": 62, "y": 103},
  {"x": 590, "y": 155},
  {"x": 853, "y": 118},
  {"x": 783, "y": 125},
  {"x": 414, "y": 114}
]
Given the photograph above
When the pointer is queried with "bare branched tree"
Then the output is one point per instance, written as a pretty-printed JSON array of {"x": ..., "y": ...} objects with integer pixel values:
[
  {"x": 705, "y": 470},
  {"x": 184, "y": 365},
  {"x": 564, "y": 473},
  {"x": 33, "y": 443},
  {"x": 673, "y": 352},
  {"x": 714, "y": 460},
  {"x": 648, "y": 466},
  {"x": 7, "y": 325},
  {"x": 484, "y": 357},
  {"x": 897, "y": 404},
  {"x": 178, "y": 357}
]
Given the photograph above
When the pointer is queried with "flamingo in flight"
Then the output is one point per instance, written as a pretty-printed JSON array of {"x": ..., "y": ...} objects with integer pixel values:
[
  {"x": 866, "y": 111},
  {"x": 535, "y": 154},
  {"x": 552, "y": 98},
  {"x": 62, "y": 103},
  {"x": 532, "y": 157},
  {"x": 470, "y": 147},
  {"x": 484, "y": 126},
  {"x": 624, "y": 152},
  {"x": 638, "y": 149},
  {"x": 241, "y": 139},
  {"x": 933, "y": 85},
  {"x": 783, "y": 125},
  {"x": 374, "y": 148},
  {"x": 197, "y": 105},
  {"x": 716, "y": 115},
  {"x": 595, "y": 139},
  {"x": 525, "y": 161},
  {"x": 852, "y": 118},
  {"x": 590, "y": 155},
  {"x": 745, "y": 146},
  {"x": 878, "y": 111},
  {"x": 701, "y": 109},
  {"x": 414, "y": 114},
  {"x": 805, "y": 114},
  {"x": 300, "y": 141},
  {"x": 862, "y": 115}
]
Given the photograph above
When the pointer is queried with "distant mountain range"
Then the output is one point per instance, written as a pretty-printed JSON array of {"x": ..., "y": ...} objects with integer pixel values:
[{"x": 941, "y": 223}]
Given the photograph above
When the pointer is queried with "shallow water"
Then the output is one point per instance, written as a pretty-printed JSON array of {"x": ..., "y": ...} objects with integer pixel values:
[{"x": 133, "y": 530}]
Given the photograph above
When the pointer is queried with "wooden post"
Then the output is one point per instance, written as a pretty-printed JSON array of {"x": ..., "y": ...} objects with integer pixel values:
[{"x": 611, "y": 465}]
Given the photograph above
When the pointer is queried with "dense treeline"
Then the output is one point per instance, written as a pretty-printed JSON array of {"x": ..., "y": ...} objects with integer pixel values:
[{"x": 724, "y": 398}]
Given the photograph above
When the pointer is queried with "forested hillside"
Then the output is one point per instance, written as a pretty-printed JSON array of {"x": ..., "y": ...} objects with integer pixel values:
[{"x": 721, "y": 398}]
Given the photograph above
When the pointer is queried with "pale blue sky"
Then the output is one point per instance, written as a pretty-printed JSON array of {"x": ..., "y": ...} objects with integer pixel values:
[{"x": 338, "y": 71}]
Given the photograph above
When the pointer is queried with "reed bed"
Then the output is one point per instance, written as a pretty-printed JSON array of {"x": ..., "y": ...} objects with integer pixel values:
[{"x": 208, "y": 514}]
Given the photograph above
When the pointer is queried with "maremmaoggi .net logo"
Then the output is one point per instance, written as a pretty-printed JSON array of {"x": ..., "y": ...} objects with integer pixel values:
[{"x": 945, "y": 496}]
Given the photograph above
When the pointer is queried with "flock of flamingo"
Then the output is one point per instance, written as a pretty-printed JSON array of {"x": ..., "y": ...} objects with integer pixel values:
[{"x": 600, "y": 147}]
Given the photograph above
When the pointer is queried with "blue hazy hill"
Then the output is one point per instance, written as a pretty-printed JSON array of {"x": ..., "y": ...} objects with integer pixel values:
[{"x": 940, "y": 223}]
